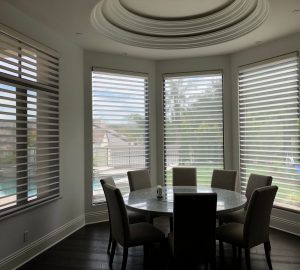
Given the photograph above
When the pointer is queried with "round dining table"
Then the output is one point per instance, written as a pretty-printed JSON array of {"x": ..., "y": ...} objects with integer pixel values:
[{"x": 146, "y": 201}]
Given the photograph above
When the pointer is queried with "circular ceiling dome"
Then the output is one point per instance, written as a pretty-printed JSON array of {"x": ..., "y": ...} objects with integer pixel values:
[
  {"x": 177, "y": 24},
  {"x": 173, "y": 9}
]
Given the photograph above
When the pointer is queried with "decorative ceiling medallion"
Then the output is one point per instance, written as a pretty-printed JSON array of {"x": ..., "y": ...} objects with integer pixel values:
[{"x": 195, "y": 24}]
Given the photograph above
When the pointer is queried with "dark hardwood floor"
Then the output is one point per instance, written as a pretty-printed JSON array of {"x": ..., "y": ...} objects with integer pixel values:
[{"x": 86, "y": 249}]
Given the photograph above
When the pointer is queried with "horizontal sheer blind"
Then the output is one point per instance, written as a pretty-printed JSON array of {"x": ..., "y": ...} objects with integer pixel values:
[
  {"x": 29, "y": 122},
  {"x": 120, "y": 127},
  {"x": 193, "y": 124},
  {"x": 269, "y": 126}
]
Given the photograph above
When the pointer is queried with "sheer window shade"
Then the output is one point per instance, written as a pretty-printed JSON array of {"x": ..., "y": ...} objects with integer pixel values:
[
  {"x": 269, "y": 126},
  {"x": 193, "y": 124},
  {"x": 120, "y": 127},
  {"x": 29, "y": 122}
]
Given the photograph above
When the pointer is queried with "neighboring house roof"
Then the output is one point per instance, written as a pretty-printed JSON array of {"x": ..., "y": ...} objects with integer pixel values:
[{"x": 104, "y": 135}]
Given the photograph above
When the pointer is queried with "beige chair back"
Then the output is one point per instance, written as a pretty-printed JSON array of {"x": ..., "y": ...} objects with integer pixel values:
[
  {"x": 118, "y": 216},
  {"x": 108, "y": 180},
  {"x": 257, "y": 222},
  {"x": 139, "y": 179},
  {"x": 256, "y": 181},
  {"x": 184, "y": 176},
  {"x": 224, "y": 179}
]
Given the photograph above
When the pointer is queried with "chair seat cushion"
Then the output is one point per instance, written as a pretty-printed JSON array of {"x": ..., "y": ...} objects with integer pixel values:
[
  {"x": 144, "y": 233},
  {"x": 231, "y": 233},
  {"x": 135, "y": 217},
  {"x": 235, "y": 216}
]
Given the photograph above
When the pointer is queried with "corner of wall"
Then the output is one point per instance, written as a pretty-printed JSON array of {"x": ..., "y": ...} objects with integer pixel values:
[{"x": 30, "y": 251}]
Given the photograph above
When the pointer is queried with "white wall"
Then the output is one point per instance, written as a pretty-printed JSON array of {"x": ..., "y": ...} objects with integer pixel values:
[
  {"x": 283, "y": 220},
  {"x": 117, "y": 62},
  {"x": 45, "y": 223},
  {"x": 51, "y": 221}
]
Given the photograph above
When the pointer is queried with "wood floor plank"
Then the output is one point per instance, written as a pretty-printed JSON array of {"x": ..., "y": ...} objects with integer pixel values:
[{"x": 86, "y": 250}]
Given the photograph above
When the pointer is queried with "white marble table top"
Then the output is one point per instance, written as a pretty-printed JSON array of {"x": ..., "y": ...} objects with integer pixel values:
[{"x": 145, "y": 200}]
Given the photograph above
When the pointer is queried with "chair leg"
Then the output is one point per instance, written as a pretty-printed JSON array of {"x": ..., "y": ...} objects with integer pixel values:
[
  {"x": 125, "y": 255},
  {"x": 221, "y": 250},
  {"x": 171, "y": 224},
  {"x": 247, "y": 257},
  {"x": 239, "y": 257},
  {"x": 146, "y": 254},
  {"x": 112, "y": 253},
  {"x": 267, "y": 247},
  {"x": 109, "y": 243},
  {"x": 234, "y": 252},
  {"x": 213, "y": 264}
]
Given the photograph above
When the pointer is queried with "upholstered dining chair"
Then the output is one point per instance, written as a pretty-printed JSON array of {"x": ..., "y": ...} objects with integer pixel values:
[
  {"x": 123, "y": 233},
  {"x": 224, "y": 179},
  {"x": 194, "y": 238},
  {"x": 255, "y": 181},
  {"x": 133, "y": 216},
  {"x": 184, "y": 176},
  {"x": 255, "y": 229},
  {"x": 139, "y": 179}
]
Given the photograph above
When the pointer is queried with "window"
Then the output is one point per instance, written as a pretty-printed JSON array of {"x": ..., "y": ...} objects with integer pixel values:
[
  {"x": 193, "y": 124},
  {"x": 29, "y": 122},
  {"x": 269, "y": 126},
  {"x": 120, "y": 127}
]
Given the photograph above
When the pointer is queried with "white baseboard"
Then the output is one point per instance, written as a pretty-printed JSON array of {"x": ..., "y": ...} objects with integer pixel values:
[
  {"x": 35, "y": 248},
  {"x": 96, "y": 216}
]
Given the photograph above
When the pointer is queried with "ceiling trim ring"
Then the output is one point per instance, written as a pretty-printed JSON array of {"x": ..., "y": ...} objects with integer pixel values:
[
  {"x": 207, "y": 7},
  {"x": 121, "y": 18},
  {"x": 238, "y": 18}
]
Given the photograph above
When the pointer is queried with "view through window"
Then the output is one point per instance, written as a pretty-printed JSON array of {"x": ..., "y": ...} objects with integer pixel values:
[
  {"x": 120, "y": 127},
  {"x": 29, "y": 123},
  {"x": 269, "y": 126},
  {"x": 193, "y": 124}
]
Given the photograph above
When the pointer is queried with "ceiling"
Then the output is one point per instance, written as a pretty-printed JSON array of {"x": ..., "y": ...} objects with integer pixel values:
[{"x": 72, "y": 18}]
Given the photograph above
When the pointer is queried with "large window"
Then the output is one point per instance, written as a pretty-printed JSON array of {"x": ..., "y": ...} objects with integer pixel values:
[
  {"x": 29, "y": 122},
  {"x": 120, "y": 127},
  {"x": 193, "y": 124},
  {"x": 269, "y": 126}
]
